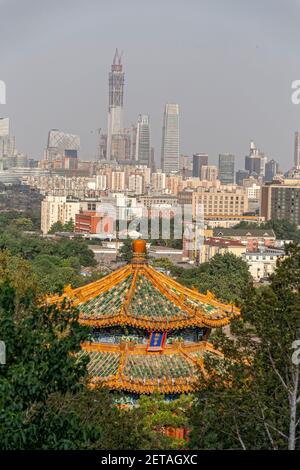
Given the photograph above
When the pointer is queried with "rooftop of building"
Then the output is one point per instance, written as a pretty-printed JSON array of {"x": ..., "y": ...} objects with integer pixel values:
[
  {"x": 221, "y": 242},
  {"x": 244, "y": 232}
]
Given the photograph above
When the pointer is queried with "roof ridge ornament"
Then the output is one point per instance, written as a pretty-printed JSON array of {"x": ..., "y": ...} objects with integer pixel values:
[{"x": 139, "y": 251}]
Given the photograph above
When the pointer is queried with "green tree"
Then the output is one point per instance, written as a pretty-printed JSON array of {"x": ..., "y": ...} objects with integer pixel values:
[
  {"x": 125, "y": 252},
  {"x": 284, "y": 229},
  {"x": 69, "y": 226},
  {"x": 56, "y": 227},
  {"x": 40, "y": 361},
  {"x": 226, "y": 276},
  {"x": 153, "y": 415},
  {"x": 251, "y": 398}
]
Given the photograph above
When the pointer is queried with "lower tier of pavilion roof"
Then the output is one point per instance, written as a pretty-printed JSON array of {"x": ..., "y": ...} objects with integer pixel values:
[
  {"x": 131, "y": 368},
  {"x": 140, "y": 296}
]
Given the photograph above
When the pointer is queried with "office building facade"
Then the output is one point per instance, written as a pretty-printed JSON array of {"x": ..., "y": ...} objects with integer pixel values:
[
  {"x": 170, "y": 139},
  {"x": 226, "y": 168},
  {"x": 143, "y": 149},
  {"x": 199, "y": 159},
  {"x": 115, "y": 106}
]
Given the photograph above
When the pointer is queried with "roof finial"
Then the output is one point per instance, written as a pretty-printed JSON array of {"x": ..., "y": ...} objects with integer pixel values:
[{"x": 139, "y": 249}]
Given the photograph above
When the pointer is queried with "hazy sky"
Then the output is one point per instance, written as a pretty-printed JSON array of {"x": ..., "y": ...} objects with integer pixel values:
[{"x": 228, "y": 63}]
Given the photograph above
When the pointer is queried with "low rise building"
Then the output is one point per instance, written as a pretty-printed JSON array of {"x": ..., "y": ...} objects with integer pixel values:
[
  {"x": 90, "y": 222},
  {"x": 228, "y": 221},
  {"x": 215, "y": 245},
  {"x": 250, "y": 238},
  {"x": 262, "y": 263}
]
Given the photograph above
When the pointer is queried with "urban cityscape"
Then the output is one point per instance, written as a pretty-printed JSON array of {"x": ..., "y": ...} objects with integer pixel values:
[{"x": 149, "y": 295}]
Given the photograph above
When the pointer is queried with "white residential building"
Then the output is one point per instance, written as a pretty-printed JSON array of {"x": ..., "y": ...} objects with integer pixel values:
[
  {"x": 118, "y": 181},
  {"x": 158, "y": 180},
  {"x": 101, "y": 182},
  {"x": 136, "y": 184},
  {"x": 262, "y": 263},
  {"x": 57, "y": 209}
]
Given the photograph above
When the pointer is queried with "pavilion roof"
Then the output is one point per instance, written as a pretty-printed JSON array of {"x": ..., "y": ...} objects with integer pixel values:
[
  {"x": 132, "y": 368},
  {"x": 140, "y": 296}
]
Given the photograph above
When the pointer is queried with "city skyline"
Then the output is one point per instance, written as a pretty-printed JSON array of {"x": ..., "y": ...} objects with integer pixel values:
[{"x": 75, "y": 100}]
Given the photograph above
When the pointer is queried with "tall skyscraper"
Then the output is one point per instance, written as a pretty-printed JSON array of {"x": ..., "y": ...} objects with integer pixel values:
[
  {"x": 115, "y": 107},
  {"x": 62, "y": 148},
  {"x": 142, "y": 148},
  {"x": 297, "y": 150},
  {"x": 7, "y": 142},
  {"x": 199, "y": 160},
  {"x": 255, "y": 162},
  {"x": 170, "y": 139},
  {"x": 226, "y": 168},
  {"x": 272, "y": 168}
]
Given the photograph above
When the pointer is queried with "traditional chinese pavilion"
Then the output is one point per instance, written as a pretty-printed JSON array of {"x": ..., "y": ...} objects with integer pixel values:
[{"x": 148, "y": 332}]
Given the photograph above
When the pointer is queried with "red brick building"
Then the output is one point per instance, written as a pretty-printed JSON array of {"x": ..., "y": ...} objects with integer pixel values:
[{"x": 92, "y": 222}]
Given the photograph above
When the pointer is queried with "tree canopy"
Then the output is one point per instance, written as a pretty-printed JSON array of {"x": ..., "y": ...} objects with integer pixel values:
[
  {"x": 226, "y": 276},
  {"x": 251, "y": 398}
]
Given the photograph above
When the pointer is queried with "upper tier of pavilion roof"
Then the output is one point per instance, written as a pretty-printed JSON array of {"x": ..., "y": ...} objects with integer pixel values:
[{"x": 140, "y": 296}]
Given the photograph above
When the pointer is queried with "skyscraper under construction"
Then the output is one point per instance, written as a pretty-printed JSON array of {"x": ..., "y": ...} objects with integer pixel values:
[{"x": 115, "y": 110}]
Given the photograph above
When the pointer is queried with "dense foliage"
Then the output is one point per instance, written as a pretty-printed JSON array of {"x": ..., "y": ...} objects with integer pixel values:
[
  {"x": 54, "y": 262},
  {"x": 284, "y": 230},
  {"x": 227, "y": 276},
  {"x": 251, "y": 399},
  {"x": 60, "y": 227},
  {"x": 44, "y": 400}
]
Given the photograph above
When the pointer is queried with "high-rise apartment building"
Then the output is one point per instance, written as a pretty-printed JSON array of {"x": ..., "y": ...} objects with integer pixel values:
[
  {"x": 115, "y": 105},
  {"x": 170, "y": 139},
  {"x": 143, "y": 149},
  {"x": 136, "y": 184},
  {"x": 101, "y": 182},
  {"x": 209, "y": 173},
  {"x": 57, "y": 209},
  {"x": 281, "y": 201},
  {"x": 226, "y": 168},
  {"x": 158, "y": 181},
  {"x": 118, "y": 181},
  {"x": 199, "y": 159},
  {"x": 297, "y": 150}
]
